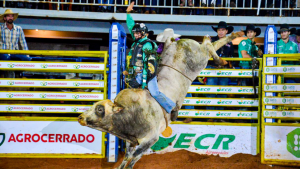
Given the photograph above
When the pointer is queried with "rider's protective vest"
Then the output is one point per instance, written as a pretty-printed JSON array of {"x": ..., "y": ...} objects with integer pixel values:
[{"x": 141, "y": 64}]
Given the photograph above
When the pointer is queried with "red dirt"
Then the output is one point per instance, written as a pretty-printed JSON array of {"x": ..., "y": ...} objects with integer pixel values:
[{"x": 177, "y": 160}]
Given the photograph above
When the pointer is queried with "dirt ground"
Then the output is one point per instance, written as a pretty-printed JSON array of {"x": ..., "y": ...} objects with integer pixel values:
[{"x": 177, "y": 160}]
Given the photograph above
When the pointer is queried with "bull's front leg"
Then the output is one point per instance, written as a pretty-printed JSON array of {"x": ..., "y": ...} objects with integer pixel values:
[
  {"x": 144, "y": 146},
  {"x": 128, "y": 155}
]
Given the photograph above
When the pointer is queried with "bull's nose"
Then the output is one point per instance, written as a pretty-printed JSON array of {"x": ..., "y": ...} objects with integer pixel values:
[
  {"x": 80, "y": 117},
  {"x": 81, "y": 120}
]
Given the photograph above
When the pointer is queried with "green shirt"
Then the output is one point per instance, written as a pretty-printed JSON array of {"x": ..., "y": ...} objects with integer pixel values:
[
  {"x": 286, "y": 48},
  {"x": 250, "y": 48},
  {"x": 130, "y": 24}
]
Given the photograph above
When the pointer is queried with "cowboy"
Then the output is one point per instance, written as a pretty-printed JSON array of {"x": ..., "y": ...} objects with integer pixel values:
[
  {"x": 11, "y": 36},
  {"x": 248, "y": 49},
  {"x": 225, "y": 51},
  {"x": 145, "y": 65},
  {"x": 296, "y": 39},
  {"x": 284, "y": 45}
]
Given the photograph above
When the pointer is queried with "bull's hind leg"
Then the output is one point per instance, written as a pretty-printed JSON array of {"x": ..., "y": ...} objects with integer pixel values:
[
  {"x": 213, "y": 53},
  {"x": 128, "y": 155},
  {"x": 144, "y": 146}
]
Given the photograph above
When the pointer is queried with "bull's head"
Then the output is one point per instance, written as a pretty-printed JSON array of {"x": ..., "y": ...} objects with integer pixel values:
[{"x": 99, "y": 116}]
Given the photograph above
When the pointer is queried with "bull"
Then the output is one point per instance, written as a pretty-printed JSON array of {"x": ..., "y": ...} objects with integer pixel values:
[{"x": 135, "y": 116}]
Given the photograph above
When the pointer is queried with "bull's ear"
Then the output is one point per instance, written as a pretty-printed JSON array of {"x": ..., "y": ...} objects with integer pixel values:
[
  {"x": 100, "y": 111},
  {"x": 117, "y": 109}
]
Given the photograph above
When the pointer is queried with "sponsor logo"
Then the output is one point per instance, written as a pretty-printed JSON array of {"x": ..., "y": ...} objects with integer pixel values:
[
  {"x": 246, "y": 102},
  {"x": 224, "y": 90},
  {"x": 10, "y": 65},
  {"x": 271, "y": 113},
  {"x": 75, "y": 96},
  {"x": 245, "y": 73},
  {"x": 289, "y": 87},
  {"x": 186, "y": 140},
  {"x": 205, "y": 73},
  {"x": 224, "y": 73},
  {"x": 203, "y": 102},
  {"x": 202, "y": 89},
  {"x": 202, "y": 114},
  {"x": 186, "y": 101},
  {"x": 224, "y": 102},
  {"x": 51, "y": 138},
  {"x": 223, "y": 114},
  {"x": 43, "y": 96},
  {"x": 9, "y": 95},
  {"x": 44, "y": 83},
  {"x": 76, "y": 84},
  {"x": 3, "y": 138},
  {"x": 76, "y": 66},
  {"x": 74, "y": 109},
  {"x": 267, "y": 100},
  {"x": 44, "y": 66},
  {"x": 9, "y": 108},
  {"x": 42, "y": 108},
  {"x": 267, "y": 69},
  {"x": 241, "y": 90},
  {"x": 10, "y": 83},
  {"x": 245, "y": 114},
  {"x": 293, "y": 142}
]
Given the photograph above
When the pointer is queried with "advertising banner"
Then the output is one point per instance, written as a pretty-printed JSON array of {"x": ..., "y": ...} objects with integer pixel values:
[
  {"x": 49, "y": 137},
  {"x": 12, "y": 95},
  {"x": 220, "y": 113},
  {"x": 226, "y": 73},
  {"x": 221, "y": 102},
  {"x": 52, "y": 83},
  {"x": 44, "y": 108},
  {"x": 223, "y": 89},
  {"x": 208, "y": 139},
  {"x": 282, "y": 143}
]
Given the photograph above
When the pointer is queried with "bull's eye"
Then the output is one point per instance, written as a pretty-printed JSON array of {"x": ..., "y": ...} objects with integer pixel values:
[{"x": 100, "y": 111}]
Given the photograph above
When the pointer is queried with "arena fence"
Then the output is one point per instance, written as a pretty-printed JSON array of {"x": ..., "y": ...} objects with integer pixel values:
[
  {"x": 224, "y": 132},
  {"x": 198, "y": 7},
  {"x": 39, "y": 115},
  {"x": 280, "y": 111}
]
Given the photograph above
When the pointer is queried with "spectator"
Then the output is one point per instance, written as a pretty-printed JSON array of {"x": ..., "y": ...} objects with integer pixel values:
[
  {"x": 248, "y": 49},
  {"x": 11, "y": 36},
  {"x": 284, "y": 46},
  {"x": 225, "y": 51},
  {"x": 153, "y": 10},
  {"x": 105, "y": 8},
  {"x": 296, "y": 39}
]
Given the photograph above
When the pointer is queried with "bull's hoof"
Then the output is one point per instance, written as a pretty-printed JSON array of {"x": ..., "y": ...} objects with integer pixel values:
[{"x": 174, "y": 115}]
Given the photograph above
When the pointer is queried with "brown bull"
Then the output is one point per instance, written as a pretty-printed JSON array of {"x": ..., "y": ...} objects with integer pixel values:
[{"x": 135, "y": 115}]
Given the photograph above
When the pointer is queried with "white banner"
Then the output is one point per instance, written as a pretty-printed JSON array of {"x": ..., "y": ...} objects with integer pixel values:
[
  {"x": 282, "y": 88},
  {"x": 221, "y": 89},
  {"x": 286, "y": 69},
  {"x": 281, "y": 100},
  {"x": 51, "y": 83},
  {"x": 52, "y": 65},
  {"x": 220, "y": 101},
  {"x": 270, "y": 113},
  {"x": 282, "y": 143},
  {"x": 44, "y": 108},
  {"x": 226, "y": 73},
  {"x": 208, "y": 139},
  {"x": 51, "y": 96},
  {"x": 49, "y": 137},
  {"x": 220, "y": 113}
]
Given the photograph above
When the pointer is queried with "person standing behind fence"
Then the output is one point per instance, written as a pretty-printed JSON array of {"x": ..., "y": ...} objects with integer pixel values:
[
  {"x": 12, "y": 38},
  {"x": 285, "y": 46},
  {"x": 225, "y": 51},
  {"x": 296, "y": 39},
  {"x": 248, "y": 49}
]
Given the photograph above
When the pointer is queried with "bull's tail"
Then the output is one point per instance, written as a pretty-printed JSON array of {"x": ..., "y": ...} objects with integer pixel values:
[{"x": 218, "y": 44}]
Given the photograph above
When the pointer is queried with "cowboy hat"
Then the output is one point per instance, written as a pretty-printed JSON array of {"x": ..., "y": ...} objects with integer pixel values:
[
  {"x": 286, "y": 27},
  {"x": 223, "y": 24},
  {"x": 7, "y": 12},
  {"x": 169, "y": 32},
  {"x": 252, "y": 28}
]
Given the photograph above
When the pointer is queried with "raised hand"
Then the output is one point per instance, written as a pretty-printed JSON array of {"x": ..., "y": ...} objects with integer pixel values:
[{"x": 130, "y": 7}]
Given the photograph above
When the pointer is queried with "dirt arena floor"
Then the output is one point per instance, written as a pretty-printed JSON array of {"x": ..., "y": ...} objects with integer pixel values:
[{"x": 177, "y": 160}]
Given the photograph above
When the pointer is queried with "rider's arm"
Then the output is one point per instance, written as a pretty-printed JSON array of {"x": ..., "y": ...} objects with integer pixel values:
[{"x": 130, "y": 23}]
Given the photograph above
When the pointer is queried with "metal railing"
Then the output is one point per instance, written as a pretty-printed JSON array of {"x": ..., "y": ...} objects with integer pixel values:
[{"x": 185, "y": 7}]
